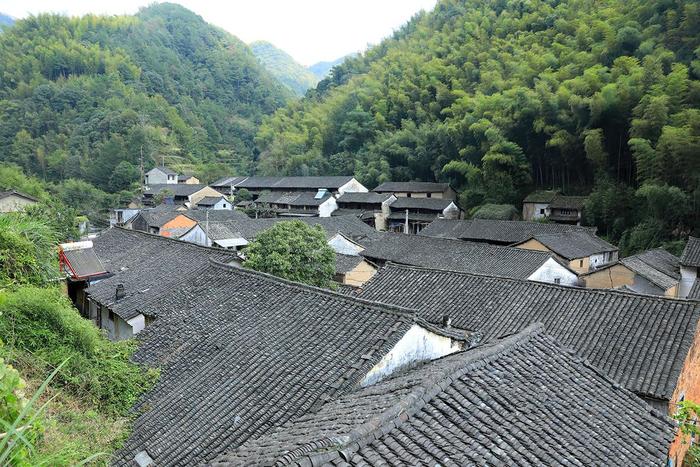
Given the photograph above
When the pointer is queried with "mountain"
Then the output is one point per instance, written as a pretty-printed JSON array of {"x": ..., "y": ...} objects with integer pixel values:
[
  {"x": 6, "y": 21},
  {"x": 86, "y": 97},
  {"x": 500, "y": 98},
  {"x": 283, "y": 67},
  {"x": 321, "y": 69}
]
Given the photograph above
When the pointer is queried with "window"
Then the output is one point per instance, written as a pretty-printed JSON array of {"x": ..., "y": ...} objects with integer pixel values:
[
  {"x": 408, "y": 195},
  {"x": 542, "y": 211},
  {"x": 429, "y": 195},
  {"x": 224, "y": 205},
  {"x": 580, "y": 263},
  {"x": 557, "y": 280}
]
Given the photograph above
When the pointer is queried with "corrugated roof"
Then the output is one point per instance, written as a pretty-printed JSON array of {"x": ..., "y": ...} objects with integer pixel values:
[
  {"x": 522, "y": 400},
  {"x": 691, "y": 253},
  {"x": 412, "y": 187},
  {"x": 83, "y": 263},
  {"x": 639, "y": 340}
]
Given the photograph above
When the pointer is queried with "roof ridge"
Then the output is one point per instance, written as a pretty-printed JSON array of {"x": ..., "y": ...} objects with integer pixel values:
[
  {"x": 540, "y": 284},
  {"x": 169, "y": 239},
  {"x": 419, "y": 396}
]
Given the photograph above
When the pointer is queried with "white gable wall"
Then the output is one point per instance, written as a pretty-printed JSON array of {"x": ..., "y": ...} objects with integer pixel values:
[
  {"x": 196, "y": 235},
  {"x": 417, "y": 345},
  {"x": 327, "y": 207},
  {"x": 344, "y": 246},
  {"x": 552, "y": 270},
  {"x": 353, "y": 186}
]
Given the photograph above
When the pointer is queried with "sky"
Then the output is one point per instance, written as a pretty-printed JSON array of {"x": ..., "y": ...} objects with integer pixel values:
[{"x": 308, "y": 30}]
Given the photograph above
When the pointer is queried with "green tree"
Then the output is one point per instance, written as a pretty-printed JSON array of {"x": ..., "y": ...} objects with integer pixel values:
[
  {"x": 28, "y": 252},
  {"x": 293, "y": 250}
]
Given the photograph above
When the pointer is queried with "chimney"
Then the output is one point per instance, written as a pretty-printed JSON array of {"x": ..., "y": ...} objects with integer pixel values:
[
  {"x": 120, "y": 293},
  {"x": 446, "y": 321}
]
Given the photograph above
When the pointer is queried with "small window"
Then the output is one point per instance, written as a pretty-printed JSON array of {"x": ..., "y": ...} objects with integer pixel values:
[
  {"x": 541, "y": 211},
  {"x": 429, "y": 195},
  {"x": 224, "y": 205},
  {"x": 557, "y": 280},
  {"x": 580, "y": 263},
  {"x": 408, "y": 195}
]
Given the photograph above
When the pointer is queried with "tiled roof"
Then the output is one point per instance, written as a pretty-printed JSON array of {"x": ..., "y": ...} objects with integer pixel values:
[
  {"x": 227, "y": 181},
  {"x": 575, "y": 244},
  {"x": 297, "y": 183},
  {"x": 523, "y": 400},
  {"x": 303, "y": 198},
  {"x": 165, "y": 170},
  {"x": 346, "y": 263},
  {"x": 412, "y": 216},
  {"x": 242, "y": 353},
  {"x": 691, "y": 253},
  {"x": 639, "y": 340},
  {"x": 184, "y": 178},
  {"x": 209, "y": 200},
  {"x": 5, "y": 194},
  {"x": 694, "y": 293},
  {"x": 567, "y": 202},
  {"x": 178, "y": 189},
  {"x": 156, "y": 217},
  {"x": 540, "y": 197},
  {"x": 456, "y": 255},
  {"x": 214, "y": 215},
  {"x": 147, "y": 265},
  {"x": 496, "y": 231},
  {"x": 432, "y": 204},
  {"x": 657, "y": 266},
  {"x": 414, "y": 187},
  {"x": 366, "y": 198}
]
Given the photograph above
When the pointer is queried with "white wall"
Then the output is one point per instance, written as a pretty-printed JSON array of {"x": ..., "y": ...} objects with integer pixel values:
[
  {"x": 353, "y": 186},
  {"x": 223, "y": 203},
  {"x": 551, "y": 270},
  {"x": 137, "y": 324},
  {"x": 156, "y": 177},
  {"x": 327, "y": 207},
  {"x": 688, "y": 277},
  {"x": 196, "y": 235},
  {"x": 417, "y": 345},
  {"x": 451, "y": 211},
  {"x": 596, "y": 261},
  {"x": 344, "y": 246}
]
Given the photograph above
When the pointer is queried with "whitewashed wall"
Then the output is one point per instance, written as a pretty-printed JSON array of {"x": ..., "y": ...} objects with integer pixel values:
[
  {"x": 353, "y": 186},
  {"x": 552, "y": 270},
  {"x": 327, "y": 207},
  {"x": 688, "y": 277}
]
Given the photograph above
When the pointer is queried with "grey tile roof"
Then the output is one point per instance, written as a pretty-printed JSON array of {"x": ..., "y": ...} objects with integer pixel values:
[
  {"x": 567, "y": 202},
  {"x": 431, "y": 204},
  {"x": 147, "y": 265},
  {"x": 178, "y": 189},
  {"x": 214, "y": 215},
  {"x": 639, "y": 340},
  {"x": 346, "y": 263},
  {"x": 414, "y": 187},
  {"x": 522, "y": 400},
  {"x": 540, "y": 197},
  {"x": 227, "y": 182},
  {"x": 242, "y": 353},
  {"x": 165, "y": 170},
  {"x": 363, "y": 198},
  {"x": 209, "y": 200},
  {"x": 486, "y": 230},
  {"x": 457, "y": 255},
  {"x": 303, "y": 198},
  {"x": 691, "y": 253},
  {"x": 575, "y": 244},
  {"x": 84, "y": 263},
  {"x": 5, "y": 194},
  {"x": 694, "y": 293},
  {"x": 412, "y": 216},
  {"x": 294, "y": 183},
  {"x": 156, "y": 217},
  {"x": 657, "y": 266}
]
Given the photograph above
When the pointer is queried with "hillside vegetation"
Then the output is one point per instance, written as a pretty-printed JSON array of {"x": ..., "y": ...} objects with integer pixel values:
[
  {"x": 282, "y": 66},
  {"x": 503, "y": 97},
  {"x": 84, "y": 98}
]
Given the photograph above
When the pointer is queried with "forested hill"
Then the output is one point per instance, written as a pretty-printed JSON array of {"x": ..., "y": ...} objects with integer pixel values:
[
  {"x": 283, "y": 67},
  {"x": 502, "y": 97},
  {"x": 322, "y": 69},
  {"x": 5, "y": 21},
  {"x": 85, "y": 97}
]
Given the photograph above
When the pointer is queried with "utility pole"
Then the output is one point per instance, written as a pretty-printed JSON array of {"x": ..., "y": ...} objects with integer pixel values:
[
  {"x": 143, "y": 176},
  {"x": 405, "y": 226}
]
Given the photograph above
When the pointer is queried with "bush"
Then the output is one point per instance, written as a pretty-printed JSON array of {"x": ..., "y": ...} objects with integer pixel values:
[
  {"x": 41, "y": 329},
  {"x": 28, "y": 252}
]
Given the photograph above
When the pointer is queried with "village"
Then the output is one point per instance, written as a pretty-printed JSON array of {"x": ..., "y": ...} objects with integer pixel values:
[{"x": 441, "y": 333}]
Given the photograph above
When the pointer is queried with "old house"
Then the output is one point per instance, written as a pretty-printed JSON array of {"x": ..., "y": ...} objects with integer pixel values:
[
  {"x": 372, "y": 208},
  {"x": 411, "y": 215},
  {"x": 181, "y": 194},
  {"x": 152, "y": 219},
  {"x": 655, "y": 272},
  {"x": 496, "y": 232},
  {"x": 214, "y": 202},
  {"x": 143, "y": 267},
  {"x": 336, "y": 185},
  {"x": 321, "y": 203},
  {"x": 583, "y": 251},
  {"x": 188, "y": 179},
  {"x": 617, "y": 332},
  {"x": 418, "y": 190},
  {"x": 471, "y": 257},
  {"x": 689, "y": 266},
  {"x": 508, "y": 402},
  {"x": 13, "y": 201},
  {"x": 553, "y": 206},
  {"x": 227, "y": 185},
  {"x": 161, "y": 175},
  {"x": 536, "y": 205},
  {"x": 242, "y": 353},
  {"x": 353, "y": 270}
]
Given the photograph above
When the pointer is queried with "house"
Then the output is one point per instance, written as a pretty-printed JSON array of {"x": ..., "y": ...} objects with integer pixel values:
[
  {"x": 372, "y": 208},
  {"x": 353, "y": 270},
  {"x": 583, "y": 251},
  {"x": 227, "y": 185},
  {"x": 242, "y": 353},
  {"x": 508, "y": 402},
  {"x": 476, "y": 258},
  {"x": 690, "y": 263},
  {"x": 418, "y": 190},
  {"x": 81, "y": 266},
  {"x": 214, "y": 202},
  {"x": 649, "y": 345},
  {"x": 297, "y": 204},
  {"x": 496, "y": 232},
  {"x": 160, "y": 175},
  {"x": 655, "y": 272},
  {"x": 143, "y": 267},
  {"x": 13, "y": 201},
  {"x": 182, "y": 194},
  {"x": 337, "y": 185},
  {"x": 536, "y": 205},
  {"x": 188, "y": 179},
  {"x": 121, "y": 216},
  {"x": 411, "y": 215},
  {"x": 151, "y": 220}
]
